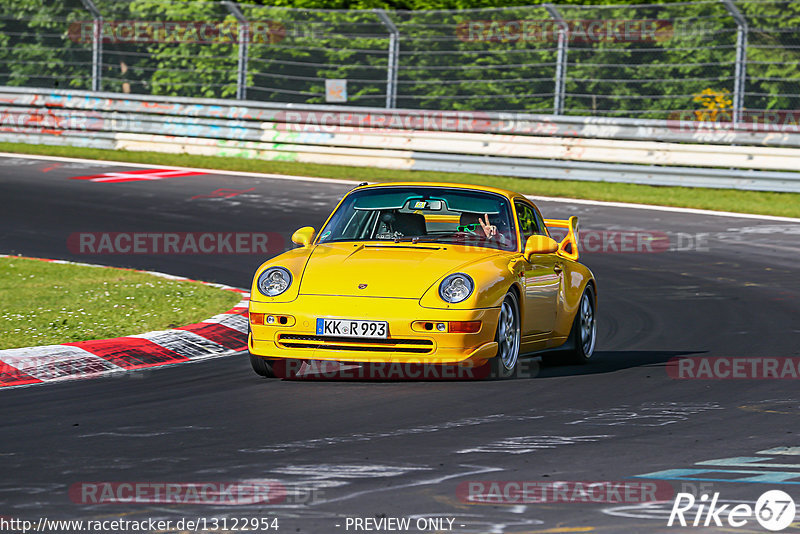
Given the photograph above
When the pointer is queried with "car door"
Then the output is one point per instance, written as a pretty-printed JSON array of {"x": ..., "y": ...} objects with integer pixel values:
[{"x": 541, "y": 278}]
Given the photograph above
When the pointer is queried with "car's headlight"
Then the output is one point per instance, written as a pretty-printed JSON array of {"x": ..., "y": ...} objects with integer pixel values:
[
  {"x": 274, "y": 281},
  {"x": 456, "y": 288}
]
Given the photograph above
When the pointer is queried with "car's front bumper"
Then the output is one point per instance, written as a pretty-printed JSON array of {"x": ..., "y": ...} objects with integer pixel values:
[{"x": 408, "y": 341}]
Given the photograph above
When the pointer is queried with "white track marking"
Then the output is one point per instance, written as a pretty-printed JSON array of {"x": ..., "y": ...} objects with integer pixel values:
[
  {"x": 529, "y": 444},
  {"x": 318, "y": 443},
  {"x": 195, "y": 169},
  {"x": 334, "y": 471},
  {"x": 791, "y": 451},
  {"x": 673, "y": 209},
  {"x": 472, "y": 471},
  {"x": 57, "y": 362},
  {"x": 187, "y": 344},
  {"x": 655, "y": 414},
  {"x": 233, "y": 321}
]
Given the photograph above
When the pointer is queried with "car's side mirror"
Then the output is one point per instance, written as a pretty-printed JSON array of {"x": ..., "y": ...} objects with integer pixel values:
[
  {"x": 304, "y": 236},
  {"x": 539, "y": 244}
]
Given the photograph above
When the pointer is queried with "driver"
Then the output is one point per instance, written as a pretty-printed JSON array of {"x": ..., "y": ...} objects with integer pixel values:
[{"x": 482, "y": 227}]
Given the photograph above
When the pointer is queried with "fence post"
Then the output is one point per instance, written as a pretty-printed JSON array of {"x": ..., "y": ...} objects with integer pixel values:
[
  {"x": 740, "y": 73},
  {"x": 394, "y": 58},
  {"x": 561, "y": 58},
  {"x": 97, "y": 44},
  {"x": 244, "y": 38}
]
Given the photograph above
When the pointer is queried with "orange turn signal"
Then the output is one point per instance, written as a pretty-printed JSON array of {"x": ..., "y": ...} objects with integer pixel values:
[
  {"x": 464, "y": 327},
  {"x": 267, "y": 319}
]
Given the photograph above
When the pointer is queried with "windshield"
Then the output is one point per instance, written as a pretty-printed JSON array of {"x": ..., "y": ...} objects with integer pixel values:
[{"x": 423, "y": 214}]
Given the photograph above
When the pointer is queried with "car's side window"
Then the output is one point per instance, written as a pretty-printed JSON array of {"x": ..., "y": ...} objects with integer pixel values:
[
  {"x": 540, "y": 223},
  {"x": 529, "y": 221}
]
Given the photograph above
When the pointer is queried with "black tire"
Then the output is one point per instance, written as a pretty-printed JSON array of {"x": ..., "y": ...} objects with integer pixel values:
[
  {"x": 261, "y": 366},
  {"x": 508, "y": 338},
  {"x": 583, "y": 336}
]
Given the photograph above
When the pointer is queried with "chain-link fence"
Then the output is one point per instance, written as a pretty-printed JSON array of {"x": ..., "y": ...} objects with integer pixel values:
[{"x": 701, "y": 58}]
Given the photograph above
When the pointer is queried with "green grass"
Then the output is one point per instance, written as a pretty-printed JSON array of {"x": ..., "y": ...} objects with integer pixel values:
[
  {"x": 49, "y": 303},
  {"x": 784, "y": 204}
]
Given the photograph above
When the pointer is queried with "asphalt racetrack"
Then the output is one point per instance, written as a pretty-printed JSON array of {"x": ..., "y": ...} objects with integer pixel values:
[{"x": 407, "y": 449}]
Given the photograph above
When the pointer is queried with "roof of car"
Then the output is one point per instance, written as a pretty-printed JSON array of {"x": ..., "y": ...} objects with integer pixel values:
[{"x": 504, "y": 192}]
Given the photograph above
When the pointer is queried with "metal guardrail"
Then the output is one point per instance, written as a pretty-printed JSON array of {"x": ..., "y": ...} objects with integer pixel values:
[
  {"x": 679, "y": 131},
  {"x": 536, "y": 146}
]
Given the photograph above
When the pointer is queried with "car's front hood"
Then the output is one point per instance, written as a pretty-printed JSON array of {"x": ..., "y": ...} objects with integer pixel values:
[{"x": 391, "y": 270}]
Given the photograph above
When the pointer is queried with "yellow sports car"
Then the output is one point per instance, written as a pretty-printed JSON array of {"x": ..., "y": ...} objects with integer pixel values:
[{"x": 428, "y": 273}]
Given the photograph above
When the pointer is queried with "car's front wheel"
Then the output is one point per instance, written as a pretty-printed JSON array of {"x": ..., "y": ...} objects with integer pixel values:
[
  {"x": 261, "y": 366},
  {"x": 508, "y": 338}
]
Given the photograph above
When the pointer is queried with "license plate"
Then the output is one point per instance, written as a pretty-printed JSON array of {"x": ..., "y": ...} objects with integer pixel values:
[{"x": 350, "y": 328}]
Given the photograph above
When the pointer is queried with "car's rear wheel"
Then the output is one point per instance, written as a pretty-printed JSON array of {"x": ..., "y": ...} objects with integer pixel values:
[
  {"x": 261, "y": 366},
  {"x": 508, "y": 338},
  {"x": 584, "y": 329}
]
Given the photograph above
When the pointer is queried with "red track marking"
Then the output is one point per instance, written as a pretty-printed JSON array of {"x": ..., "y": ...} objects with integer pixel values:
[
  {"x": 224, "y": 193},
  {"x": 227, "y": 337},
  {"x": 11, "y": 376},
  {"x": 130, "y": 352},
  {"x": 51, "y": 167},
  {"x": 135, "y": 176}
]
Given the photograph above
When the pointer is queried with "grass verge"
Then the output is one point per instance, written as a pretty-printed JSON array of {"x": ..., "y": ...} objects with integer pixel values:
[
  {"x": 765, "y": 203},
  {"x": 51, "y": 303}
]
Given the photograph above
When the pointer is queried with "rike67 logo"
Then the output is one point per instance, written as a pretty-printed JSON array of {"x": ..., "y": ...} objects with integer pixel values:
[{"x": 774, "y": 510}]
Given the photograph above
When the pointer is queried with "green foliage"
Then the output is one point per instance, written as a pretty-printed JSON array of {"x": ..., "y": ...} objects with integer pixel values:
[
  {"x": 773, "y": 56},
  {"x": 301, "y": 43},
  {"x": 173, "y": 65},
  {"x": 48, "y": 303},
  {"x": 35, "y": 49}
]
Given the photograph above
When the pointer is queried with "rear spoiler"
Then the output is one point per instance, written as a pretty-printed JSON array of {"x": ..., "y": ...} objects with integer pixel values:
[{"x": 568, "y": 248}]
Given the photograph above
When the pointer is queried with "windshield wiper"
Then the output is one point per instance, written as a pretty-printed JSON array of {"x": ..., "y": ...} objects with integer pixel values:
[
  {"x": 404, "y": 239},
  {"x": 425, "y": 238}
]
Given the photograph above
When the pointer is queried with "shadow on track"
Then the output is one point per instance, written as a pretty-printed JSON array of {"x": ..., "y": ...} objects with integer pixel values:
[
  {"x": 609, "y": 361},
  {"x": 529, "y": 369}
]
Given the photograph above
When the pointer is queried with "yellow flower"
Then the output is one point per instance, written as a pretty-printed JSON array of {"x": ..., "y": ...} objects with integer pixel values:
[{"x": 713, "y": 103}]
